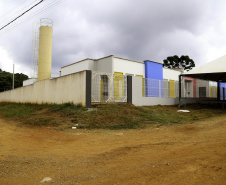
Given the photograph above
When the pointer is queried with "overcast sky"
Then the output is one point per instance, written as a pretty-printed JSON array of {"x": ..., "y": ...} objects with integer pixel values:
[{"x": 134, "y": 29}]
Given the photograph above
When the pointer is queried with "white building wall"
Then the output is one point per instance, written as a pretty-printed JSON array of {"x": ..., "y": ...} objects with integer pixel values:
[
  {"x": 202, "y": 83},
  {"x": 139, "y": 100},
  {"x": 171, "y": 74},
  {"x": 87, "y": 64},
  {"x": 29, "y": 81},
  {"x": 104, "y": 64},
  {"x": 128, "y": 66}
]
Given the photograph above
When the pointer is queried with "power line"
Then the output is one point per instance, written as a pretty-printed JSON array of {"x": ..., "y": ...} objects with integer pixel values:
[
  {"x": 21, "y": 14},
  {"x": 13, "y": 14},
  {"x": 3, "y": 15},
  {"x": 51, "y": 5}
]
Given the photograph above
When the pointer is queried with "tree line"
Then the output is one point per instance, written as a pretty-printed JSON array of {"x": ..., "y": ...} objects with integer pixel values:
[{"x": 6, "y": 80}]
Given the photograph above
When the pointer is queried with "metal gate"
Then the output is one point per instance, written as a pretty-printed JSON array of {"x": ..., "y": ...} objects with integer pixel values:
[{"x": 108, "y": 87}]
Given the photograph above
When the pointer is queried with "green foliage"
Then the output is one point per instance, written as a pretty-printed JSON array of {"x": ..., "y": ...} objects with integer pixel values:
[
  {"x": 111, "y": 116},
  {"x": 6, "y": 80},
  {"x": 179, "y": 62},
  {"x": 66, "y": 109},
  {"x": 16, "y": 110}
]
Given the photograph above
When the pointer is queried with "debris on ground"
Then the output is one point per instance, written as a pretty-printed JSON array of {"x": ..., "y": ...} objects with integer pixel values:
[
  {"x": 183, "y": 111},
  {"x": 46, "y": 179}
]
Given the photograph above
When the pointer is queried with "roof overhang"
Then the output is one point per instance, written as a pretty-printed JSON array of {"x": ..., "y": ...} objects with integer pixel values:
[{"x": 217, "y": 77}]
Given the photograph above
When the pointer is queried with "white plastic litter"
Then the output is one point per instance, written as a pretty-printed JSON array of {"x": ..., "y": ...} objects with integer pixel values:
[
  {"x": 46, "y": 179},
  {"x": 183, "y": 111},
  {"x": 74, "y": 127}
]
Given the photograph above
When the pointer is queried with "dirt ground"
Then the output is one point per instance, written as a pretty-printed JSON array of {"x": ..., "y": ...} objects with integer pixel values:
[{"x": 186, "y": 154}]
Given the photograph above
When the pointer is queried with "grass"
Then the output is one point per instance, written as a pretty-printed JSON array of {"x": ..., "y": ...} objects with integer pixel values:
[{"x": 103, "y": 116}]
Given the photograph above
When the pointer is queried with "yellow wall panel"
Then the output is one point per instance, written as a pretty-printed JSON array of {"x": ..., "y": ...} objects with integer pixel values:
[
  {"x": 142, "y": 83},
  {"x": 118, "y": 85},
  {"x": 171, "y": 88},
  {"x": 216, "y": 91},
  {"x": 101, "y": 90},
  {"x": 211, "y": 92}
]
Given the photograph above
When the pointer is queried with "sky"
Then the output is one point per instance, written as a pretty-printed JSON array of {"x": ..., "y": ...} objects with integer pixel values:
[{"x": 133, "y": 29}]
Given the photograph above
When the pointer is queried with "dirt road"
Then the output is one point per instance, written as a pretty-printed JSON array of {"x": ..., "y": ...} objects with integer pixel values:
[{"x": 186, "y": 154}]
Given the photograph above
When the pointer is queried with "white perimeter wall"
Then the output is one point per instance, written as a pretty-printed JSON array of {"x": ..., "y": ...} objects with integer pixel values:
[
  {"x": 70, "y": 88},
  {"x": 127, "y": 66},
  {"x": 87, "y": 64},
  {"x": 138, "y": 100},
  {"x": 171, "y": 74}
]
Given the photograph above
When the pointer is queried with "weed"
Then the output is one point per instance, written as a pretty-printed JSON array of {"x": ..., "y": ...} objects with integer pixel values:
[
  {"x": 40, "y": 121},
  {"x": 105, "y": 116}
]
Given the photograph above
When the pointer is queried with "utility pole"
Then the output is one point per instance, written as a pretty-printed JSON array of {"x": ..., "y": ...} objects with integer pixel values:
[{"x": 13, "y": 77}]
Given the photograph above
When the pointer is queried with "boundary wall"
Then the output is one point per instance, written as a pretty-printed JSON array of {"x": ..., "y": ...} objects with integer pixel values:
[
  {"x": 138, "y": 100},
  {"x": 74, "y": 88}
]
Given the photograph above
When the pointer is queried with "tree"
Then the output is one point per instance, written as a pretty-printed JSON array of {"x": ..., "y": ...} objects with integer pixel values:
[
  {"x": 6, "y": 79},
  {"x": 179, "y": 62}
]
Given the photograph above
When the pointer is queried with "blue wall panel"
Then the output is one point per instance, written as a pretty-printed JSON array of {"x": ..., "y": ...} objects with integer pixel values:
[
  {"x": 222, "y": 92},
  {"x": 154, "y": 79}
]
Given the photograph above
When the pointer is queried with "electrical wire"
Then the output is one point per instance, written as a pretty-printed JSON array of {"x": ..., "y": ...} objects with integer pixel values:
[
  {"x": 4, "y": 14},
  {"x": 49, "y": 6},
  {"x": 12, "y": 16},
  {"x": 21, "y": 15}
]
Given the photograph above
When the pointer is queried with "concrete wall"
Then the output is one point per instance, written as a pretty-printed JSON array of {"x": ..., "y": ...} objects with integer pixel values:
[
  {"x": 139, "y": 100},
  {"x": 128, "y": 66},
  {"x": 69, "y": 88},
  {"x": 87, "y": 64}
]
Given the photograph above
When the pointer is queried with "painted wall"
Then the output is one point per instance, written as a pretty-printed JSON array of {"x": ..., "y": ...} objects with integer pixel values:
[
  {"x": 139, "y": 100},
  {"x": 104, "y": 64},
  {"x": 202, "y": 84},
  {"x": 171, "y": 74},
  {"x": 128, "y": 66},
  {"x": 69, "y": 88},
  {"x": 222, "y": 92},
  {"x": 86, "y": 64},
  {"x": 153, "y": 71},
  {"x": 191, "y": 87}
]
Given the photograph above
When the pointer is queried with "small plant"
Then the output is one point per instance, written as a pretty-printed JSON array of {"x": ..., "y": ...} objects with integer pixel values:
[{"x": 104, "y": 116}]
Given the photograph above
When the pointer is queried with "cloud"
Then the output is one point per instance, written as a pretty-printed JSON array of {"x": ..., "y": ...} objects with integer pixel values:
[
  {"x": 6, "y": 63},
  {"x": 137, "y": 30}
]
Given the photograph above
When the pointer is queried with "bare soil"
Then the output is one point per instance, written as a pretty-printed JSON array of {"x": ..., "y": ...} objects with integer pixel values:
[{"x": 177, "y": 154}]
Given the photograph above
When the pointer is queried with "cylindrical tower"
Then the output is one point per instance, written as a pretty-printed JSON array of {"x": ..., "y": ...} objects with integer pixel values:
[{"x": 45, "y": 49}]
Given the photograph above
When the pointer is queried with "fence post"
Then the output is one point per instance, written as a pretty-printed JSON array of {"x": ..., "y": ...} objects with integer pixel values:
[
  {"x": 88, "y": 88},
  {"x": 218, "y": 91},
  {"x": 223, "y": 93},
  {"x": 129, "y": 89}
]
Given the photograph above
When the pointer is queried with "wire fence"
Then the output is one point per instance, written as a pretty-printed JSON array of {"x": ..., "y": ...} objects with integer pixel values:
[
  {"x": 107, "y": 87},
  {"x": 160, "y": 88}
]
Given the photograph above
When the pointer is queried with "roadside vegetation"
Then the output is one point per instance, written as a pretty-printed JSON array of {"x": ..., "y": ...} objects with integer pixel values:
[{"x": 103, "y": 116}]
